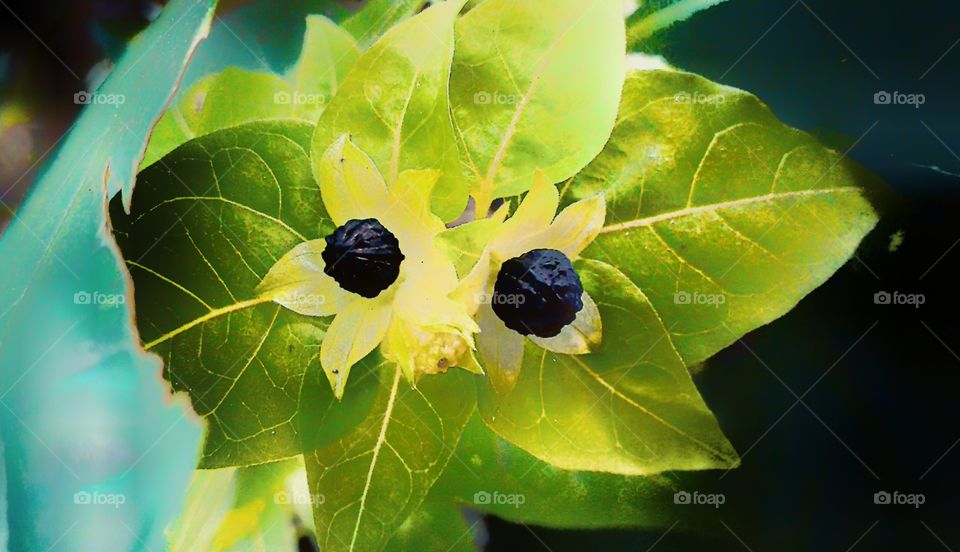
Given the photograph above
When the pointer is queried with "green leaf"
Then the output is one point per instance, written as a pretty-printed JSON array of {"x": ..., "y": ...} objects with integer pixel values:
[
  {"x": 329, "y": 53},
  {"x": 377, "y": 475},
  {"x": 209, "y": 499},
  {"x": 214, "y": 103},
  {"x": 630, "y": 407},
  {"x": 262, "y": 514},
  {"x": 394, "y": 105},
  {"x": 534, "y": 85},
  {"x": 464, "y": 244},
  {"x": 208, "y": 222},
  {"x": 438, "y": 524},
  {"x": 236, "y": 96},
  {"x": 240, "y": 509},
  {"x": 378, "y": 16},
  {"x": 722, "y": 215},
  {"x": 550, "y": 496},
  {"x": 653, "y": 17}
]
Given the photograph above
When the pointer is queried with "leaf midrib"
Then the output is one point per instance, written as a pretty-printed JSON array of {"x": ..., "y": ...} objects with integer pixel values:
[
  {"x": 542, "y": 66},
  {"x": 239, "y": 305},
  {"x": 381, "y": 439},
  {"x": 713, "y": 207},
  {"x": 620, "y": 395}
]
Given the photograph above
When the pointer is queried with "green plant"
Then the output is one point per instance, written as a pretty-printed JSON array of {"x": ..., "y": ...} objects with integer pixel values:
[{"x": 690, "y": 214}]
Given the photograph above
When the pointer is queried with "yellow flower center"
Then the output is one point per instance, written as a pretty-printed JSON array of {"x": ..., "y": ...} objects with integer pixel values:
[{"x": 436, "y": 351}]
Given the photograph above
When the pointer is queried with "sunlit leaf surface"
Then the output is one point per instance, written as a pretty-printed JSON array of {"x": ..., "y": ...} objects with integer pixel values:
[
  {"x": 630, "y": 407},
  {"x": 377, "y": 475},
  {"x": 394, "y": 105},
  {"x": 721, "y": 214},
  {"x": 534, "y": 86},
  {"x": 495, "y": 476}
]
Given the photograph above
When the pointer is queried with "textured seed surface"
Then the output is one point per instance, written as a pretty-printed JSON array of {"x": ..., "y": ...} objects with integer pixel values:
[
  {"x": 537, "y": 293},
  {"x": 363, "y": 257}
]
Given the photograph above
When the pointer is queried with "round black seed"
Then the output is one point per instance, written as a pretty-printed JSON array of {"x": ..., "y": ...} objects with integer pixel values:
[
  {"x": 537, "y": 293},
  {"x": 363, "y": 257}
]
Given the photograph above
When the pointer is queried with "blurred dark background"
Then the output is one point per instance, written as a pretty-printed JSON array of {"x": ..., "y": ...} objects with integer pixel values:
[{"x": 878, "y": 382}]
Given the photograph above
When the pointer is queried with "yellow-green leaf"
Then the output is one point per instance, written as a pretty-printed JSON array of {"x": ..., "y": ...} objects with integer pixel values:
[
  {"x": 440, "y": 523},
  {"x": 212, "y": 104},
  {"x": 378, "y": 474},
  {"x": 329, "y": 53},
  {"x": 257, "y": 508},
  {"x": 394, "y": 105},
  {"x": 722, "y": 215},
  {"x": 235, "y": 96},
  {"x": 652, "y": 17},
  {"x": 534, "y": 85},
  {"x": 630, "y": 407},
  {"x": 378, "y": 16},
  {"x": 496, "y": 477}
]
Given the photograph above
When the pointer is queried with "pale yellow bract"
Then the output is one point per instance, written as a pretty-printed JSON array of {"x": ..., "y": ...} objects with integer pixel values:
[
  {"x": 533, "y": 226},
  {"x": 421, "y": 328}
]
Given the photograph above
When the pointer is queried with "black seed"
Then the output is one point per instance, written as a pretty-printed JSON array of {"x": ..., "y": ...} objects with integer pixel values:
[
  {"x": 363, "y": 257},
  {"x": 537, "y": 293}
]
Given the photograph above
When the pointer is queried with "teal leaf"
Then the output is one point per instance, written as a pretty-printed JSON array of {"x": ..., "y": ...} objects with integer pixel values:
[
  {"x": 246, "y": 34},
  {"x": 85, "y": 422}
]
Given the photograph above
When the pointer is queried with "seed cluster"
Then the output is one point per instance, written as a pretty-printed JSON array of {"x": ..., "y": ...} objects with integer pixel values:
[
  {"x": 537, "y": 293},
  {"x": 363, "y": 257}
]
